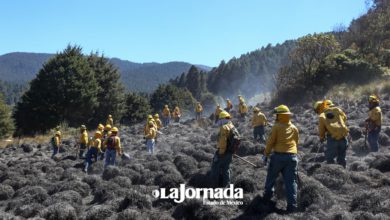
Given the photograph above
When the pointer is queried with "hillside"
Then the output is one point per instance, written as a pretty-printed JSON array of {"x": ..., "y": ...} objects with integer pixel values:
[
  {"x": 251, "y": 73},
  {"x": 139, "y": 77},
  {"x": 32, "y": 184}
]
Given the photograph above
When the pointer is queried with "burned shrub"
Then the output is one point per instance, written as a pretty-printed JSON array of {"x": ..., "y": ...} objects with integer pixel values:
[
  {"x": 6, "y": 192},
  {"x": 29, "y": 210},
  {"x": 59, "y": 211},
  {"x": 122, "y": 181},
  {"x": 32, "y": 193},
  {"x": 110, "y": 172},
  {"x": 384, "y": 140},
  {"x": 381, "y": 163},
  {"x": 355, "y": 132},
  {"x": 332, "y": 176},
  {"x": 375, "y": 201},
  {"x": 313, "y": 193},
  {"x": 358, "y": 166},
  {"x": 130, "y": 214},
  {"x": 186, "y": 165},
  {"x": 107, "y": 191},
  {"x": 98, "y": 212},
  {"x": 136, "y": 200},
  {"x": 27, "y": 148},
  {"x": 71, "y": 197},
  {"x": 246, "y": 183},
  {"x": 80, "y": 187},
  {"x": 168, "y": 180},
  {"x": 92, "y": 180}
]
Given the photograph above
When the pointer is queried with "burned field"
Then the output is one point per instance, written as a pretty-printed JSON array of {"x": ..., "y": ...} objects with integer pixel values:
[{"x": 32, "y": 185}]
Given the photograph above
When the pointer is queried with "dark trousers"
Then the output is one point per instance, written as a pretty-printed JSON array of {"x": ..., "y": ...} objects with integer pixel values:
[
  {"x": 258, "y": 133},
  {"x": 220, "y": 169},
  {"x": 83, "y": 147},
  {"x": 92, "y": 153},
  {"x": 336, "y": 148},
  {"x": 287, "y": 164},
  {"x": 373, "y": 139}
]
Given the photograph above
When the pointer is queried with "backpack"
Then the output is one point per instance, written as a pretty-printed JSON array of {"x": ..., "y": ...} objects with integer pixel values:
[
  {"x": 53, "y": 141},
  {"x": 337, "y": 124},
  {"x": 233, "y": 141},
  {"x": 111, "y": 143}
]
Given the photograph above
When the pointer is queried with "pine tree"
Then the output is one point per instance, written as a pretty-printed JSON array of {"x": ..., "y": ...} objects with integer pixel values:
[
  {"x": 110, "y": 95},
  {"x": 137, "y": 108},
  {"x": 65, "y": 89}
]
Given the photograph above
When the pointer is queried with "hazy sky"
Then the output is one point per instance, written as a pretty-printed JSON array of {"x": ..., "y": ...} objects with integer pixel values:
[{"x": 196, "y": 31}]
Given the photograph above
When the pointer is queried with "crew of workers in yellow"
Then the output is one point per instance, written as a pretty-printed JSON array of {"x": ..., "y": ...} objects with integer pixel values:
[
  {"x": 83, "y": 142},
  {"x": 229, "y": 105},
  {"x": 158, "y": 121},
  {"x": 259, "y": 121},
  {"x": 373, "y": 122},
  {"x": 242, "y": 107},
  {"x": 166, "y": 113},
  {"x": 217, "y": 112},
  {"x": 110, "y": 121}
]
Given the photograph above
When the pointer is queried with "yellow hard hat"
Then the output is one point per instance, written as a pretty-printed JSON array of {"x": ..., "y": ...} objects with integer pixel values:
[
  {"x": 227, "y": 99},
  {"x": 150, "y": 117},
  {"x": 282, "y": 110},
  {"x": 108, "y": 127},
  {"x": 218, "y": 105},
  {"x": 58, "y": 133},
  {"x": 317, "y": 104},
  {"x": 224, "y": 114},
  {"x": 114, "y": 129},
  {"x": 151, "y": 123},
  {"x": 83, "y": 127},
  {"x": 256, "y": 109},
  {"x": 373, "y": 98},
  {"x": 328, "y": 103},
  {"x": 156, "y": 116},
  {"x": 98, "y": 134},
  {"x": 110, "y": 116},
  {"x": 100, "y": 126},
  {"x": 166, "y": 106}
]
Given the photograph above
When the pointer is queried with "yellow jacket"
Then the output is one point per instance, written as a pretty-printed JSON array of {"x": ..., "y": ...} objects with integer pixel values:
[
  {"x": 223, "y": 136},
  {"x": 199, "y": 108},
  {"x": 110, "y": 121},
  {"x": 146, "y": 127},
  {"x": 375, "y": 115},
  {"x": 258, "y": 119},
  {"x": 229, "y": 104},
  {"x": 283, "y": 139},
  {"x": 117, "y": 143},
  {"x": 334, "y": 125},
  {"x": 158, "y": 123},
  {"x": 166, "y": 112},
  {"x": 97, "y": 143},
  {"x": 242, "y": 108},
  {"x": 176, "y": 113},
  {"x": 152, "y": 133},
  {"x": 57, "y": 141},
  {"x": 217, "y": 111},
  {"x": 84, "y": 138}
]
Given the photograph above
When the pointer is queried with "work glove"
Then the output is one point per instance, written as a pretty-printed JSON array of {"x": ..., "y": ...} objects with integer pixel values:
[{"x": 265, "y": 159}]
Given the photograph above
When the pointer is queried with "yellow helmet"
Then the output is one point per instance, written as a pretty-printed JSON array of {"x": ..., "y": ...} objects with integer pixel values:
[
  {"x": 282, "y": 110},
  {"x": 151, "y": 123},
  {"x": 114, "y": 129},
  {"x": 98, "y": 134},
  {"x": 108, "y": 127},
  {"x": 83, "y": 127},
  {"x": 166, "y": 106},
  {"x": 150, "y": 117},
  {"x": 110, "y": 116},
  {"x": 156, "y": 116},
  {"x": 58, "y": 133},
  {"x": 218, "y": 105},
  {"x": 373, "y": 98},
  {"x": 317, "y": 104},
  {"x": 224, "y": 114},
  {"x": 100, "y": 126},
  {"x": 328, "y": 103},
  {"x": 256, "y": 109}
]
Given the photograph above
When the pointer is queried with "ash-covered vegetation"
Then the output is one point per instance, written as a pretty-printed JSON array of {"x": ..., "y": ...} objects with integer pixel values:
[{"x": 32, "y": 185}]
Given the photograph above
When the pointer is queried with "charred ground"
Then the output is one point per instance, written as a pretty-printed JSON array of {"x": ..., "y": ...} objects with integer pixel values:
[{"x": 34, "y": 186}]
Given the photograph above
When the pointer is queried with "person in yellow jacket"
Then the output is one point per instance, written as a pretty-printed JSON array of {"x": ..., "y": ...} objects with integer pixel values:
[
  {"x": 110, "y": 121},
  {"x": 56, "y": 143},
  {"x": 258, "y": 123},
  {"x": 240, "y": 99},
  {"x": 222, "y": 157},
  {"x": 198, "y": 111},
  {"x": 100, "y": 128},
  {"x": 106, "y": 133},
  {"x": 282, "y": 146},
  {"x": 176, "y": 115},
  {"x": 151, "y": 137},
  {"x": 158, "y": 121},
  {"x": 332, "y": 127},
  {"x": 242, "y": 109},
  {"x": 374, "y": 122},
  {"x": 113, "y": 147},
  {"x": 94, "y": 150},
  {"x": 217, "y": 112},
  {"x": 166, "y": 116},
  {"x": 146, "y": 127},
  {"x": 229, "y": 105},
  {"x": 83, "y": 142}
]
